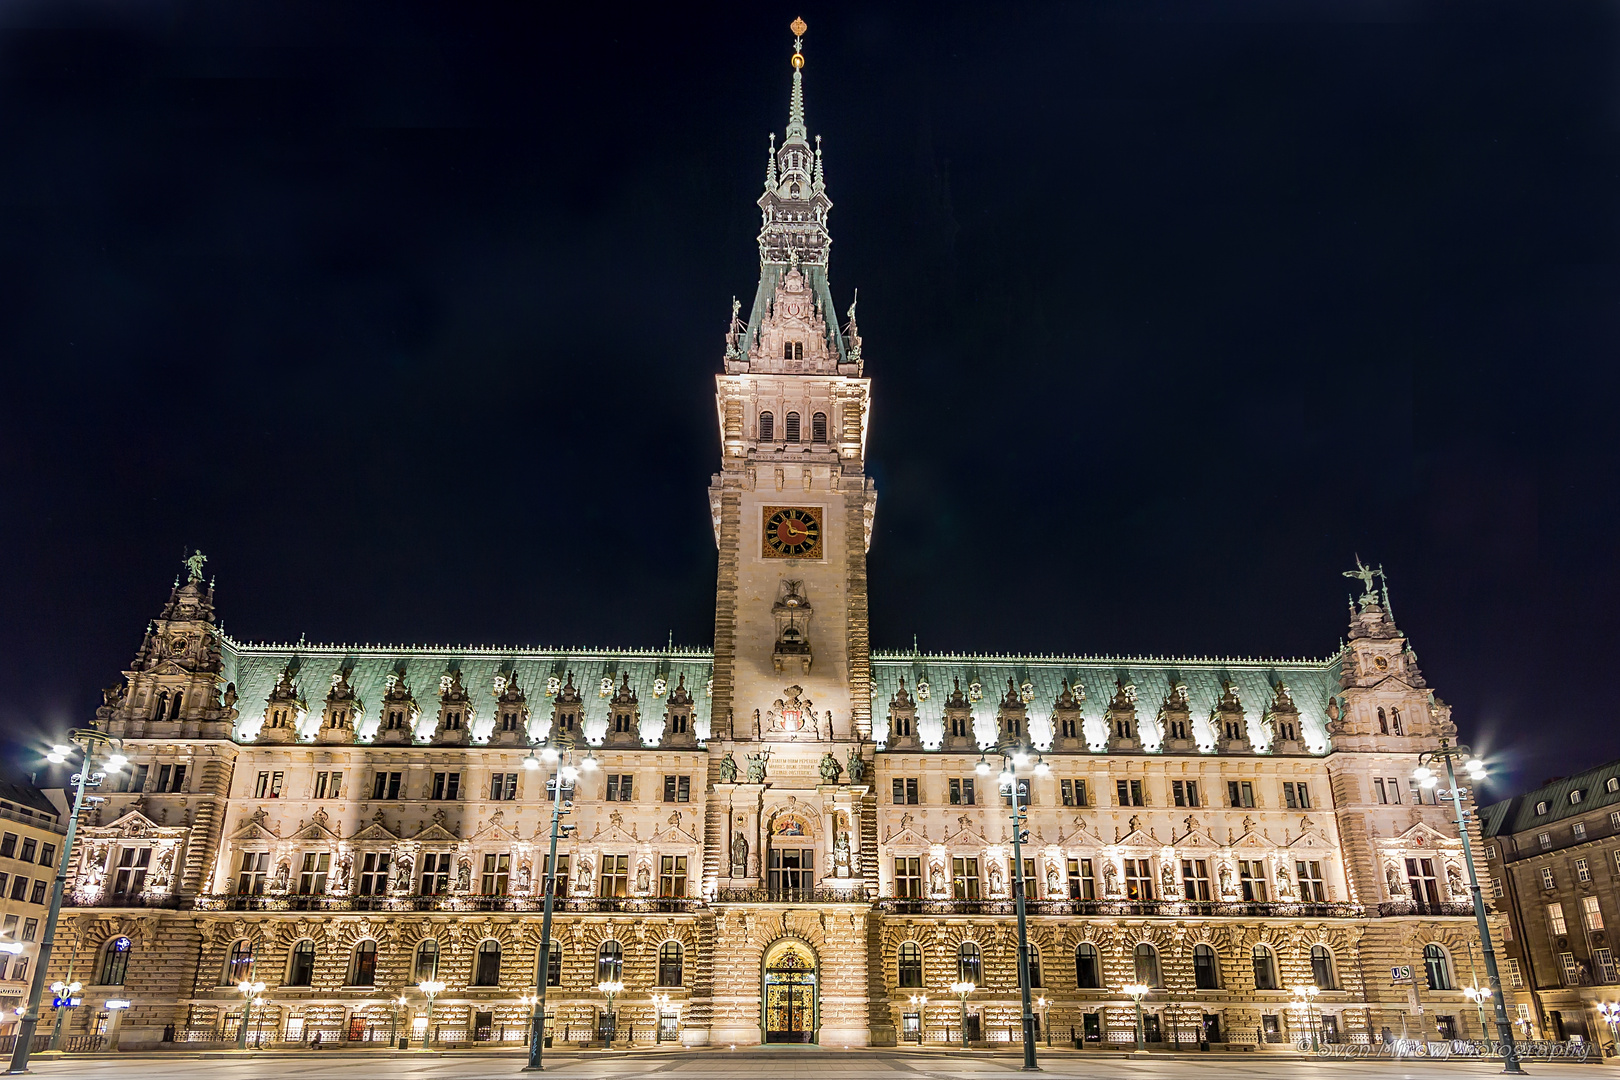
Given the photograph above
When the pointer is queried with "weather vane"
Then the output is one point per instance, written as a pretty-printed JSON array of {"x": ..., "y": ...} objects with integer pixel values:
[{"x": 798, "y": 27}]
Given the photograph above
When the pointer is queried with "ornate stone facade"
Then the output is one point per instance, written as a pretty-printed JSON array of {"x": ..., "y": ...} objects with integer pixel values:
[{"x": 789, "y": 835}]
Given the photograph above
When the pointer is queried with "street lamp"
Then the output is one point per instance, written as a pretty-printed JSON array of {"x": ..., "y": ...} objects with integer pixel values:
[
  {"x": 1046, "y": 1020},
  {"x": 84, "y": 742},
  {"x": 962, "y": 990},
  {"x": 612, "y": 988},
  {"x": 920, "y": 1003},
  {"x": 1479, "y": 995},
  {"x": 393, "y": 1027},
  {"x": 249, "y": 991},
  {"x": 1426, "y": 777},
  {"x": 431, "y": 988},
  {"x": 561, "y": 755},
  {"x": 1304, "y": 995},
  {"x": 1611, "y": 1016},
  {"x": 1015, "y": 755},
  {"x": 658, "y": 1003},
  {"x": 1137, "y": 992},
  {"x": 61, "y": 990}
]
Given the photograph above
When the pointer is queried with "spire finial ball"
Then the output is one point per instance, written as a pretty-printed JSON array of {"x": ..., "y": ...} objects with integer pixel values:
[{"x": 798, "y": 61}]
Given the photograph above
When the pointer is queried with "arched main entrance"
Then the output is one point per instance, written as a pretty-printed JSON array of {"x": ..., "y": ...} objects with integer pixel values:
[{"x": 790, "y": 999}]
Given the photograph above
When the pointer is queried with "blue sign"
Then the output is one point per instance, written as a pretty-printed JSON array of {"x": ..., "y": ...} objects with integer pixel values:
[{"x": 65, "y": 1003}]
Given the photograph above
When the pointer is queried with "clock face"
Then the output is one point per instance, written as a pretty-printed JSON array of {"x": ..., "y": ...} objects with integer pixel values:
[{"x": 792, "y": 532}]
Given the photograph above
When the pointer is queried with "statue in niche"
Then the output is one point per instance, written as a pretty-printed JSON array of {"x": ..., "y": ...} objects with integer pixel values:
[
  {"x": 582, "y": 880},
  {"x": 283, "y": 872},
  {"x": 739, "y": 853},
  {"x": 1224, "y": 874},
  {"x": 1110, "y": 878},
  {"x": 830, "y": 769},
  {"x": 841, "y": 855},
  {"x": 1054, "y": 883},
  {"x": 643, "y": 879},
  {"x": 756, "y": 766},
  {"x": 728, "y": 768},
  {"x": 463, "y": 876},
  {"x": 995, "y": 878},
  {"x": 1285, "y": 884},
  {"x": 1167, "y": 879},
  {"x": 857, "y": 767},
  {"x": 523, "y": 878},
  {"x": 936, "y": 879},
  {"x": 1454, "y": 880},
  {"x": 1393, "y": 880}
]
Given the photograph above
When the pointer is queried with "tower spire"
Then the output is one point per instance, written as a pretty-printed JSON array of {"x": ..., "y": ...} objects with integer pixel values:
[{"x": 795, "y": 127}]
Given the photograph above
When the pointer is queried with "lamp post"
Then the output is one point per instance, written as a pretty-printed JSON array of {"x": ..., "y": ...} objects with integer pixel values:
[
  {"x": 1425, "y": 774},
  {"x": 431, "y": 988},
  {"x": 612, "y": 988},
  {"x": 962, "y": 990},
  {"x": 1137, "y": 992},
  {"x": 920, "y": 1003},
  {"x": 1015, "y": 755},
  {"x": 249, "y": 991},
  {"x": 1046, "y": 1020},
  {"x": 61, "y": 990},
  {"x": 559, "y": 754},
  {"x": 393, "y": 1027},
  {"x": 1611, "y": 1016},
  {"x": 1304, "y": 996},
  {"x": 658, "y": 1002},
  {"x": 56, "y": 1026},
  {"x": 84, "y": 742}
]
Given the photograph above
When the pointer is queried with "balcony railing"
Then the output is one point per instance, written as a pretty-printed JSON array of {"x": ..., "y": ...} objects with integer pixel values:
[
  {"x": 1422, "y": 907},
  {"x": 631, "y": 904},
  {"x": 125, "y": 900},
  {"x": 1122, "y": 908},
  {"x": 856, "y": 894}
]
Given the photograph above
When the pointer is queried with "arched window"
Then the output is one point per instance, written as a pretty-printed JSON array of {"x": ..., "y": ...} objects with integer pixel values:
[
  {"x": 610, "y": 962},
  {"x": 1383, "y": 722},
  {"x": 1395, "y": 721},
  {"x": 969, "y": 964},
  {"x": 1087, "y": 967},
  {"x": 1033, "y": 954},
  {"x": 1436, "y": 967},
  {"x": 767, "y": 427},
  {"x": 114, "y": 962},
  {"x": 162, "y": 705},
  {"x": 363, "y": 968},
  {"x": 301, "y": 966},
  {"x": 671, "y": 965},
  {"x": 911, "y": 966},
  {"x": 1206, "y": 972},
  {"x": 427, "y": 961},
  {"x": 818, "y": 427},
  {"x": 488, "y": 970},
  {"x": 791, "y": 432},
  {"x": 174, "y": 708},
  {"x": 1265, "y": 969},
  {"x": 1322, "y": 968},
  {"x": 553, "y": 967},
  {"x": 1147, "y": 965},
  {"x": 1612, "y": 784},
  {"x": 239, "y": 963}
]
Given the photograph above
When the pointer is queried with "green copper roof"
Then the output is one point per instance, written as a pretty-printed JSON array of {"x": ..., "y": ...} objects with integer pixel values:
[
  {"x": 1519, "y": 814},
  {"x": 254, "y": 669},
  {"x": 1041, "y": 679}
]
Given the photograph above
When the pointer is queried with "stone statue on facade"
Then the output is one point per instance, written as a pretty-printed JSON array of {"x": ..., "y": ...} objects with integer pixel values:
[
  {"x": 857, "y": 767},
  {"x": 728, "y": 768},
  {"x": 830, "y": 769},
  {"x": 739, "y": 854},
  {"x": 1110, "y": 878},
  {"x": 1054, "y": 883},
  {"x": 995, "y": 879},
  {"x": 1363, "y": 574},
  {"x": 756, "y": 766},
  {"x": 1167, "y": 879},
  {"x": 643, "y": 879},
  {"x": 841, "y": 855},
  {"x": 463, "y": 876},
  {"x": 1225, "y": 877},
  {"x": 936, "y": 879},
  {"x": 194, "y": 565}
]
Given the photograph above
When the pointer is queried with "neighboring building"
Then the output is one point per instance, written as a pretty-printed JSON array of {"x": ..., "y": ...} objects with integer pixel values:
[
  {"x": 1554, "y": 861},
  {"x": 787, "y": 833},
  {"x": 31, "y": 832}
]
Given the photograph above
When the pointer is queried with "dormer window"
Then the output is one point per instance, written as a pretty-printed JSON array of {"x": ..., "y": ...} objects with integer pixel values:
[
  {"x": 452, "y": 721},
  {"x": 1576, "y": 796},
  {"x": 565, "y": 721},
  {"x": 818, "y": 427},
  {"x": 792, "y": 432},
  {"x": 793, "y": 350},
  {"x": 509, "y": 721},
  {"x": 1613, "y": 784},
  {"x": 1541, "y": 808},
  {"x": 767, "y": 427}
]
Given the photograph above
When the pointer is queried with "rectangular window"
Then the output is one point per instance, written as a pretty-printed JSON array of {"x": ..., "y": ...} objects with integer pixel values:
[
  {"x": 1394, "y": 786},
  {"x": 1023, "y": 794},
  {"x": 1082, "y": 886},
  {"x": 1378, "y": 790},
  {"x": 1296, "y": 796},
  {"x": 1195, "y": 879},
  {"x": 905, "y": 791},
  {"x": 19, "y": 885},
  {"x": 328, "y": 785},
  {"x": 962, "y": 792},
  {"x": 1590, "y": 914},
  {"x": 1572, "y": 969},
  {"x": 908, "y": 876},
  {"x": 1031, "y": 884},
  {"x": 47, "y": 855},
  {"x": 620, "y": 788},
  {"x": 1578, "y": 830},
  {"x": 374, "y": 873},
  {"x": 276, "y": 780},
  {"x": 1129, "y": 792},
  {"x": 37, "y": 896},
  {"x": 1312, "y": 889},
  {"x": 1240, "y": 793},
  {"x": 436, "y": 874},
  {"x": 1421, "y": 879},
  {"x": 251, "y": 874},
  {"x": 1545, "y": 839},
  {"x": 615, "y": 876},
  {"x": 8, "y": 845},
  {"x": 1498, "y": 890},
  {"x": 137, "y": 777},
  {"x": 497, "y": 873},
  {"x": 1252, "y": 879},
  {"x": 312, "y": 876},
  {"x": 1555, "y": 919},
  {"x": 30, "y": 930},
  {"x": 28, "y": 846},
  {"x": 320, "y": 785},
  {"x": 20, "y": 971},
  {"x": 1490, "y": 851},
  {"x": 672, "y": 875},
  {"x": 385, "y": 785},
  {"x": 1614, "y": 819},
  {"x": 677, "y": 789},
  {"x": 446, "y": 785},
  {"x": 1582, "y": 871},
  {"x": 9, "y": 928},
  {"x": 1546, "y": 877},
  {"x": 965, "y": 878},
  {"x": 503, "y": 786},
  {"x": 1603, "y": 960},
  {"x": 1515, "y": 976},
  {"x": 560, "y": 886},
  {"x": 1184, "y": 792},
  {"x": 1074, "y": 792},
  {"x": 1138, "y": 880}
]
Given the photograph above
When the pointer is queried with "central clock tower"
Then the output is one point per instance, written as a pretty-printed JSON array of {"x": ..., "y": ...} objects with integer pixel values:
[{"x": 791, "y": 504}]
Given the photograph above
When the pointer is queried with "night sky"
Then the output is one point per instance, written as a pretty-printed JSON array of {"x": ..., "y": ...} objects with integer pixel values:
[{"x": 408, "y": 317}]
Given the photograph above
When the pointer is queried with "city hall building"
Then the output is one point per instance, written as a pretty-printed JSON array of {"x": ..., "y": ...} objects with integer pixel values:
[{"x": 787, "y": 836}]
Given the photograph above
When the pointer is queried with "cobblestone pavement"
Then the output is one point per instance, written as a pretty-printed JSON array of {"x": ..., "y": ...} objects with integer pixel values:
[{"x": 777, "y": 1063}]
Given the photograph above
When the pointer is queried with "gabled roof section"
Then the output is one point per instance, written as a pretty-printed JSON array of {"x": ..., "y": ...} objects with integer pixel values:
[{"x": 1518, "y": 814}]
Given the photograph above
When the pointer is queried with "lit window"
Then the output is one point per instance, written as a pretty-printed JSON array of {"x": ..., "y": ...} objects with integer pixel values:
[{"x": 1555, "y": 919}]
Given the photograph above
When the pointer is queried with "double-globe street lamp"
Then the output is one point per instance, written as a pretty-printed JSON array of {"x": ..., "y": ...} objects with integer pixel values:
[
  {"x": 431, "y": 988},
  {"x": 962, "y": 989},
  {"x": 1304, "y": 995},
  {"x": 1138, "y": 991},
  {"x": 250, "y": 992},
  {"x": 920, "y": 1003},
  {"x": 86, "y": 744},
  {"x": 558, "y": 754},
  {"x": 1016, "y": 755},
  {"x": 1447, "y": 756},
  {"x": 612, "y": 988}
]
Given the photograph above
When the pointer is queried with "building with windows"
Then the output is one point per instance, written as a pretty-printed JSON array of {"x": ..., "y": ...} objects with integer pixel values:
[
  {"x": 31, "y": 832},
  {"x": 1554, "y": 860},
  {"x": 793, "y": 837}
]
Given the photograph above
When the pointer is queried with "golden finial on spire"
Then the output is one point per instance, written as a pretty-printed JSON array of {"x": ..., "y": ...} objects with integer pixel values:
[{"x": 798, "y": 27}]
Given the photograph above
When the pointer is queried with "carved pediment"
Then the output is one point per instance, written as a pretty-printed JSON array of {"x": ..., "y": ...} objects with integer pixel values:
[
  {"x": 1198, "y": 839},
  {"x": 1137, "y": 838},
  {"x": 135, "y": 824},
  {"x": 436, "y": 833},
  {"x": 1420, "y": 834},
  {"x": 255, "y": 827},
  {"x": 907, "y": 837},
  {"x": 375, "y": 832}
]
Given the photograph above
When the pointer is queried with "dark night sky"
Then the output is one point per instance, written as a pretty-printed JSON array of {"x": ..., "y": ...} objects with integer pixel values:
[{"x": 409, "y": 316}]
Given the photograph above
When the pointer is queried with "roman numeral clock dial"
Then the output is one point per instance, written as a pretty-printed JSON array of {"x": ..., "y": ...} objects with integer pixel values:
[{"x": 792, "y": 532}]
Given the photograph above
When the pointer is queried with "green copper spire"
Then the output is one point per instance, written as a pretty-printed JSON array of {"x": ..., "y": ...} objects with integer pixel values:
[{"x": 795, "y": 127}]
